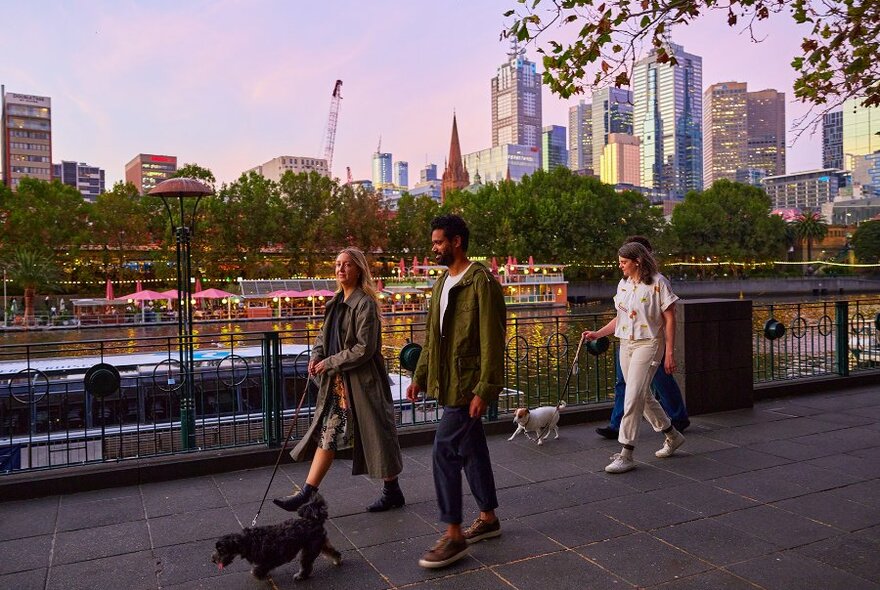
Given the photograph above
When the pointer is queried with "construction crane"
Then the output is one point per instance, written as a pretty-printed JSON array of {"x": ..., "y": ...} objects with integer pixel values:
[{"x": 330, "y": 138}]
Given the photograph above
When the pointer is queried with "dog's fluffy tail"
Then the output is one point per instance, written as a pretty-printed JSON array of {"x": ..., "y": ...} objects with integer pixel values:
[{"x": 560, "y": 405}]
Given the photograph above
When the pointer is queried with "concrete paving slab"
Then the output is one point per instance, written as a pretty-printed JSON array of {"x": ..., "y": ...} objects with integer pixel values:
[
  {"x": 794, "y": 502},
  {"x": 792, "y": 571},
  {"x": 642, "y": 559}
]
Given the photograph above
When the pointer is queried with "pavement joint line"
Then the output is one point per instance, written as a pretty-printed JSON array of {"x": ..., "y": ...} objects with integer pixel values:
[{"x": 54, "y": 539}]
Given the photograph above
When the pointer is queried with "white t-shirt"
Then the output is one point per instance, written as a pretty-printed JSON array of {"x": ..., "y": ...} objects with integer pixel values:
[
  {"x": 448, "y": 284},
  {"x": 640, "y": 307}
]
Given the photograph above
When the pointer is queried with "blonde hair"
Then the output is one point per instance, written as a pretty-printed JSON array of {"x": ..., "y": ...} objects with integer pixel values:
[{"x": 365, "y": 279}]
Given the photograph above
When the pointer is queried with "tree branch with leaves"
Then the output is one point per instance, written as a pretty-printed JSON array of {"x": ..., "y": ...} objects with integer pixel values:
[{"x": 839, "y": 58}]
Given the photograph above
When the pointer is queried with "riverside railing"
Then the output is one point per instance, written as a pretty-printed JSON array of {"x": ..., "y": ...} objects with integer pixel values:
[
  {"x": 814, "y": 339},
  {"x": 248, "y": 385}
]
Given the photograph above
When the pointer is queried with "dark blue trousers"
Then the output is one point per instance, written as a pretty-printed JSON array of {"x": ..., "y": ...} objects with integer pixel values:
[
  {"x": 460, "y": 444},
  {"x": 663, "y": 386}
]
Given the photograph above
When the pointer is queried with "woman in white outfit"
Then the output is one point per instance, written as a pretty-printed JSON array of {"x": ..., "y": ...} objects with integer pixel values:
[{"x": 645, "y": 325}]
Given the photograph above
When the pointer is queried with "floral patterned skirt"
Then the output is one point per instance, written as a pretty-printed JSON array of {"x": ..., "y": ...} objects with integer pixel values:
[{"x": 336, "y": 432}]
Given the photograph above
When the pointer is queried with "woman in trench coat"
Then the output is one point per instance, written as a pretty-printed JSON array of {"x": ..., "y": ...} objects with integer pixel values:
[{"x": 354, "y": 409}]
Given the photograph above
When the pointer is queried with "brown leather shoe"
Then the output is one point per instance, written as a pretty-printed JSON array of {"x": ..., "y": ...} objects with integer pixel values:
[
  {"x": 482, "y": 529},
  {"x": 445, "y": 552}
]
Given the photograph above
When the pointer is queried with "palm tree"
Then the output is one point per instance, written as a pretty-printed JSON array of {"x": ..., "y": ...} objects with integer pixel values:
[
  {"x": 810, "y": 226},
  {"x": 31, "y": 270}
]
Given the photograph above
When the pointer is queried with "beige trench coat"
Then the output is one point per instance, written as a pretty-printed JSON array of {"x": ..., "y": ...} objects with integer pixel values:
[{"x": 376, "y": 450}]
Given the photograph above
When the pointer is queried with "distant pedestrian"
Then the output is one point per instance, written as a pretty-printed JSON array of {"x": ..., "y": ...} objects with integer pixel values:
[
  {"x": 14, "y": 307},
  {"x": 462, "y": 365},
  {"x": 663, "y": 386},
  {"x": 645, "y": 325}
]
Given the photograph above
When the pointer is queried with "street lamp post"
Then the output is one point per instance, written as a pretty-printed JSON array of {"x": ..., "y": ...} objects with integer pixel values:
[{"x": 175, "y": 192}]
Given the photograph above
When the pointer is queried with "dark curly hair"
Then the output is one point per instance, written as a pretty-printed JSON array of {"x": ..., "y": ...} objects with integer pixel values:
[{"x": 452, "y": 225}]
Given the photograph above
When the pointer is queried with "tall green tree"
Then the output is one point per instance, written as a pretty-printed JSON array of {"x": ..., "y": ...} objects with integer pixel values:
[
  {"x": 730, "y": 220},
  {"x": 809, "y": 227},
  {"x": 197, "y": 172},
  {"x": 866, "y": 242},
  {"x": 31, "y": 269},
  {"x": 240, "y": 225},
  {"x": 597, "y": 41},
  {"x": 359, "y": 219},
  {"x": 44, "y": 216},
  {"x": 121, "y": 221},
  {"x": 409, "y": 228},
  {"x": 307, "y": 201}
]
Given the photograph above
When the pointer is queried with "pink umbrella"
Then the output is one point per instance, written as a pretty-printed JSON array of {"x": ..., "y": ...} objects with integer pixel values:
[
  {"x": 138, "y": 286},
  {"x": 379, "y": 285},
  {"x": 170, "y": 294},
  {"x": 402, "y": 267},
  {"x": 425, "y": 261},
  {"x": 324, "y": 293},
  {"x": 108, "y": 291},
  {"x": 531, "y": 264},
  {"x": 415, "y": 264},
  {"x": 218, "y": 294},
  {"x": 145, "y": 295},
  {"x": 494, "y": 265},
  {"x": 196, "y": 289}
]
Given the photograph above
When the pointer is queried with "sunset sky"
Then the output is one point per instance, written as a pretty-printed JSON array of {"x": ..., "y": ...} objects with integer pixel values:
[{"x": 229, "y": 84}]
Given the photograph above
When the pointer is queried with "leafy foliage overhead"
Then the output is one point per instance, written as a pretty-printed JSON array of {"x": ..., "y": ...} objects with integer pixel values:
[{"x": 604, "y": 38}]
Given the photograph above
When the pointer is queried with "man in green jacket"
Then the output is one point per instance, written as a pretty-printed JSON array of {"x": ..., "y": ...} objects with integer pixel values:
[{"x": 462, "y": 366}]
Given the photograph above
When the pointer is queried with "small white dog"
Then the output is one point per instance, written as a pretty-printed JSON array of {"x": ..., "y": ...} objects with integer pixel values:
[{"x": 540, "y": 421}]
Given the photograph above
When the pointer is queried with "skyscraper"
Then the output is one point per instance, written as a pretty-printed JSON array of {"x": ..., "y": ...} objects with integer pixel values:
[
  {"x": 401, "y": 174},
  {"x": 832, "y": 140},
  {"x": 743, "y": 133},
  {"x": 516, "y": 102},
  {"x": 667, "y": 118},
  {"x": 619, "y": 163},
  {"x": 455, "y": 176},
  {"x": 88, "y": 180},
  {"x": 381, "y": 170},
  {"x": 429, "y": 172},
  {"x": 612, "y": 113},
  {"x": 861, "y": 126},
  {"x": 725, "y": 131},
  {"x": 766, "y": 131},
  {"x": 580, "y": 137},
  {"x": 553, "y": 151},
  {"x": 26, "y": 137},
  {"x": 147, "y": 170}
]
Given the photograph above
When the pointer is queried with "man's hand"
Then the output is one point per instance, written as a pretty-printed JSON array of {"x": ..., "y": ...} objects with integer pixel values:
[
  {"x": 669, "y": 363},
  {"x": 478, "y": 407},
  {"x": 412, "y": 392}
]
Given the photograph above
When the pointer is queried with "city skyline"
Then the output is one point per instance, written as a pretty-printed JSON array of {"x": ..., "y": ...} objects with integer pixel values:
[{"x": 227, "y": 86}]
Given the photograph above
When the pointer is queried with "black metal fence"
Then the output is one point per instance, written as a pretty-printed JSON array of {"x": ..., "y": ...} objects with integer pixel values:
[{"x": 247, "y": 386}]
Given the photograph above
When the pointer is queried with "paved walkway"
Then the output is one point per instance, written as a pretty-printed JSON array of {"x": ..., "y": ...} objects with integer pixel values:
[{"x": 786, "y": 495}]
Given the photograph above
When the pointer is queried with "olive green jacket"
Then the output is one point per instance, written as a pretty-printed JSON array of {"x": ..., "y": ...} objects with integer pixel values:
[{"x": 468, "y": 359}]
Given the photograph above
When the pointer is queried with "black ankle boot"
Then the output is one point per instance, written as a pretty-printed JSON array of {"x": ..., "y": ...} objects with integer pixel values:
[
  {"x": 392, "y": 497},
  {"x": 294, "y": 502}
]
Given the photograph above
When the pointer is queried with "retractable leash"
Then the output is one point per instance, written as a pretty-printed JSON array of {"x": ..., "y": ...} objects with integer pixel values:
[{"x": 283, "y": 448}]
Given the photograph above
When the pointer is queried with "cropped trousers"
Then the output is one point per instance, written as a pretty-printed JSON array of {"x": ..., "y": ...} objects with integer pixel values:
[{"x": 639, "y": 360}]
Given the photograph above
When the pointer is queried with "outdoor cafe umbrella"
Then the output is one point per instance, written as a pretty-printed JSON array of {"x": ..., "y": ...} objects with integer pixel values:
[
  {"x": 141, "y": 296},
  {"x": 494, "y": 265},
  {"x": 402, "y": 268},
  {"x": 197, "y": 288},
  {"x": 212, "y": 294},
  {"x": 415, "y": 264},
  {"x": 108, "y": 291},
  {"x": 170, "y": 295}
]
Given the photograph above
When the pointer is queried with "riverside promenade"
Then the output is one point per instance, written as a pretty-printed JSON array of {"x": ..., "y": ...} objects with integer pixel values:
[{"x": 782, "y": 496}]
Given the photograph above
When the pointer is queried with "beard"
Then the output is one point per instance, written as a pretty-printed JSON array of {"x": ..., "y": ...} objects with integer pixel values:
[{"x": 445, "y": 258}]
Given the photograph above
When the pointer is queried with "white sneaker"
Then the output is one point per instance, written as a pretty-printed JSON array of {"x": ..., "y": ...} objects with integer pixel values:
[
  {"x": 670, "y": 444},
  {"x": 619, "y": 464}
]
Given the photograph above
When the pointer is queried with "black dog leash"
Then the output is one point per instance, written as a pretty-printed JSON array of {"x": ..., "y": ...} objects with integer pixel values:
[{"x": 283, "y": 448}]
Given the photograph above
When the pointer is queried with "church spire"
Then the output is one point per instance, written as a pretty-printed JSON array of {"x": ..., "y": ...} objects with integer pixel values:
[{"x": 455, "y": 175}]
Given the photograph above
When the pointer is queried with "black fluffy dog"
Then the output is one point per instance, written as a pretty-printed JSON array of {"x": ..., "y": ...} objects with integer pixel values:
[{"x": 267, "y": 547}]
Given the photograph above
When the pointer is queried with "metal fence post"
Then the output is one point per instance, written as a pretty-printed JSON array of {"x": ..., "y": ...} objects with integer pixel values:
[
  {"x": 841, "y": 334},
  {"x": 272, "y": 388}
]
